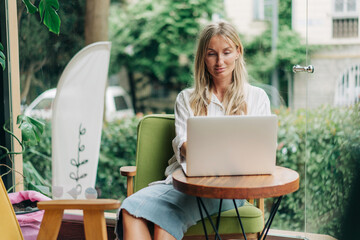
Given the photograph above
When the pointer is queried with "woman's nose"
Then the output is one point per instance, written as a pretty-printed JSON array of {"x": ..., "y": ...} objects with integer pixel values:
[{"x": 220, "y": 59}]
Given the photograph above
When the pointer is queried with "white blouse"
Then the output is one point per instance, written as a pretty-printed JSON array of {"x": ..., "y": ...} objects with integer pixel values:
[{"x": 257, "y": 104}]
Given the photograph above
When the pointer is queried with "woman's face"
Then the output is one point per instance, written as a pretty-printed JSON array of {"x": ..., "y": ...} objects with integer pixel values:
[{"x": 220, "y": 58}]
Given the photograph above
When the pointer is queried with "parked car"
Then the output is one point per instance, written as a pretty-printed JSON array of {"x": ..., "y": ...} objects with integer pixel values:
[{"x": 117, "y": 104}]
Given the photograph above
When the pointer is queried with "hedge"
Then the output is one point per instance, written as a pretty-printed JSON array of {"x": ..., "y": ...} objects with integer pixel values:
[{"x": 325, "y": 141}]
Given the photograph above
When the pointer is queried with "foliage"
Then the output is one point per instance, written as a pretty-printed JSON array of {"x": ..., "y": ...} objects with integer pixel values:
[
  {"x": 261, "y": 61},
  {"x": 326, "y": 142},
  {"x": 2, "y": 57},
  {"x": 118, "y": 146},
  {"x": 48, "y": 13},
  {"x": 37, "y": 161},
  {"x": 43, "y": 55},
  {"x": 31, "y": 130},
  {"x": 285, "y": 9},
  {"x": 157, "y": 37}
]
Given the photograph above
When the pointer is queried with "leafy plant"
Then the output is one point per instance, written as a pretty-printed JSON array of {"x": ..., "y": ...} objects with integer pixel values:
[
  {"x": 31, "y": 130},
  {"x": 48, "y": 13},
  {"x": 2, "y": 57},
  {"x": 323, "y": 146}
]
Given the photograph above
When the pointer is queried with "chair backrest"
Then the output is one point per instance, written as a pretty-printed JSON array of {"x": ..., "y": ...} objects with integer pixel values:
[
  {"x": 9, "y": 226},
  {"x": 154, "y": 148}
]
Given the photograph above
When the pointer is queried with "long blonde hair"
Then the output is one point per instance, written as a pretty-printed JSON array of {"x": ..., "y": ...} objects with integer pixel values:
[{"x": 234, "y": 99}]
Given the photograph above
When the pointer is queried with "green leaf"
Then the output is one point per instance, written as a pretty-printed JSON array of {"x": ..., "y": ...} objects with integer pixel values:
[
  {"x": 2, "y": 63},
  {"x": 31, "y": 129},
  {"x": 48, "y": 14},
  {"x": 31, "y": 8},
  {"x": 2, "y": 57}
]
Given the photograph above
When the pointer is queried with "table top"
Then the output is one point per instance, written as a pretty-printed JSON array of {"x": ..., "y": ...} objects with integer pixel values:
[{"x": 282, "y": 181}]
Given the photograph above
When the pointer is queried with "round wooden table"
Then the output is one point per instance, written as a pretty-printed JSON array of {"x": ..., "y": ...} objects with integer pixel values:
[{"x": 283, "y": 181}]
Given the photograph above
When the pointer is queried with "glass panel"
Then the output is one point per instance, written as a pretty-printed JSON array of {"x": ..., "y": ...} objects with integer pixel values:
[
  {"x": 351, "y": 5},
  {"x": 339, "y": 5},
  {"x": 277, "y": 39},
  {"x": 332, "y": 117}
]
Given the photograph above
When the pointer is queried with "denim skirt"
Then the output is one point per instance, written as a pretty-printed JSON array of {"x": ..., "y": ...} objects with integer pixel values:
[{"x": 168, "y": 208}]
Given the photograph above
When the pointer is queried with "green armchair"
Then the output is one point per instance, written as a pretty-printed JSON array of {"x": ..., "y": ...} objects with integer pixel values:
[{"x": 154, "y": 148}]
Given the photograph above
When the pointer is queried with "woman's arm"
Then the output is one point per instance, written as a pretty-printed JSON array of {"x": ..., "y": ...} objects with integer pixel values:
[
  {"x": 182, "y": 112},
  {"x": 183, "y": 150}
]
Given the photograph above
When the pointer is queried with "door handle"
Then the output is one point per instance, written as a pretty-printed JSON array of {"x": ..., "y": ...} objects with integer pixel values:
[{"x": 298, "y": 68}]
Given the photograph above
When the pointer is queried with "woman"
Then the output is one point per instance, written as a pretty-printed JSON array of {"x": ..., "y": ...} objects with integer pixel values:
[{"x": 221, "y": 88}]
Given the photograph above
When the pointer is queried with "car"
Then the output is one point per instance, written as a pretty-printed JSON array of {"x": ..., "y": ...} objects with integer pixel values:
[{"x": 117, "y": 104}]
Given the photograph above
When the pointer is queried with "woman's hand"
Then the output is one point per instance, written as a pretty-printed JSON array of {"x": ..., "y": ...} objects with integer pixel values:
[{"x": 183, "y": 150}]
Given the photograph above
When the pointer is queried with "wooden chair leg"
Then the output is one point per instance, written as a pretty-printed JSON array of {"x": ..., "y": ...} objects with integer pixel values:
[
  {"x": 95, "y": 225},
  {"x": 50, "y": 224}
]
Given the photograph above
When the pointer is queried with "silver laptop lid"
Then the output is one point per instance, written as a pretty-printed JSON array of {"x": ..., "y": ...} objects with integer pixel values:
[{"x": 231, "y": 145}]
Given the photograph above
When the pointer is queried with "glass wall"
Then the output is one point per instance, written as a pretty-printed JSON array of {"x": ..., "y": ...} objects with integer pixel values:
[{"x": 330, "y": 96}]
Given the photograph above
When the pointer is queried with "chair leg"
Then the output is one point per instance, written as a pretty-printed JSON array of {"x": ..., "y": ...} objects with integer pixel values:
[
  {"x": 50, "y": 225},
  {"x": 95, "y": 225}
]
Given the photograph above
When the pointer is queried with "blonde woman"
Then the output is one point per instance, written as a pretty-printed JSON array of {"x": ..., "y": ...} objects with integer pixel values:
[{"x": 221, "y": 88}]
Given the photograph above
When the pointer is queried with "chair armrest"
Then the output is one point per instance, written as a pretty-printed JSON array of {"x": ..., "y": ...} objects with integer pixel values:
[{"x": 129, "y": 172}]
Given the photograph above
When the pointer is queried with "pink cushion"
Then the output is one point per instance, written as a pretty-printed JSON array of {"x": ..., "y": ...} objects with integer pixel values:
[{"x": 29, "y": 222}]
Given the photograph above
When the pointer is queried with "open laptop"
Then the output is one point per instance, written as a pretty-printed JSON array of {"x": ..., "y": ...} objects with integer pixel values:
[{"x": 231, "y": 145}]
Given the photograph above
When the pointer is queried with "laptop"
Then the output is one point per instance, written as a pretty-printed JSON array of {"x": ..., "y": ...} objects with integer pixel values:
[{"x": 231, "y": 145}]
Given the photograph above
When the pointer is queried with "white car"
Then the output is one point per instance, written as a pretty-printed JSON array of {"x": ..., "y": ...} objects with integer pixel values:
[{"x": 118, "y": 104}]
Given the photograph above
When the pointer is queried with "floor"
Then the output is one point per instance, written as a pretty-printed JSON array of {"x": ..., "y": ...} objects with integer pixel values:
[{"x": 72, "y": 228}]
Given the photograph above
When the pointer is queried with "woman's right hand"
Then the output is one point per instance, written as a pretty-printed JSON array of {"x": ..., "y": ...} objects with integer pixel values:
[{"x": 183, "y": 150}]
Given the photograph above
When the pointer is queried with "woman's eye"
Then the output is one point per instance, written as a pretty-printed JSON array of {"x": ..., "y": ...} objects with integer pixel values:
[
  {"x": 211, "y": 54},
  {"x": 227, "y": 53}
]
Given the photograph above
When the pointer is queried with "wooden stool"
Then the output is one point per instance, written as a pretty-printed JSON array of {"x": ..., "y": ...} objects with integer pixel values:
[{"x": 94, "y": 220}]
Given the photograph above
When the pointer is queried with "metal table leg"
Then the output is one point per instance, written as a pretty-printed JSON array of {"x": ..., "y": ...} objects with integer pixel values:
[
  {"x": 238, "y": 215},
  {"x": 273, "y": 211},
  {"x": 202, "y": 205},
  {"x": 264, "y": 232}
]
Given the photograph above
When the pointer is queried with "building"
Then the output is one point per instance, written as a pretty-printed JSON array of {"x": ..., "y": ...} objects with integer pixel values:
[{"x": 333, "y": 29}]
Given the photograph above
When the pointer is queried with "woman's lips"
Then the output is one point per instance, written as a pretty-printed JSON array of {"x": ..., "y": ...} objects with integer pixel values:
[{"x": 219, "y": 70}]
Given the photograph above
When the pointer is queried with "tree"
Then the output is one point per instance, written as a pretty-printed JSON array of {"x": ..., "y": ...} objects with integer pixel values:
[
  {"x": 290, "y": 51},
  {"x": 44, "y": 55},
  {"x": 261, "y": 62},
  {"x": 96, "y": 21},
  {"x": 157, "y": 38}
]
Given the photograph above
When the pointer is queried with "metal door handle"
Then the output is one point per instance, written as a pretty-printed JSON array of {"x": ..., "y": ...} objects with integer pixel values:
[{"x": 298, "y": 68}]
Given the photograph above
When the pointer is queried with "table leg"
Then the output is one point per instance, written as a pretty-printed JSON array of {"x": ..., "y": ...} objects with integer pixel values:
[
  {"x": 218, "y": 217},
  {"x": 201, "y": 204},
  {"x": 238, "y": 215},
  {"x": 202, "y": 217},
  {"x": 273, "y": 211}
]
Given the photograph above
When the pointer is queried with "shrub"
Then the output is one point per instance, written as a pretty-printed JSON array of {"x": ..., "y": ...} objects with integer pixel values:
[
  {"x": 325, "y": 141},
  {"x": 118, "y": 148}
]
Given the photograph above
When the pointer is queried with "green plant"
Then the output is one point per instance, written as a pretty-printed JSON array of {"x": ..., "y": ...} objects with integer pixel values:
[
  {"x": 323, "y": 145},
  {"x": 48, "y": 13},
  {"x": 2, "y": 57},
  {"x": 118, "y": 148},
  {"x": 31, "y": 130}
]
